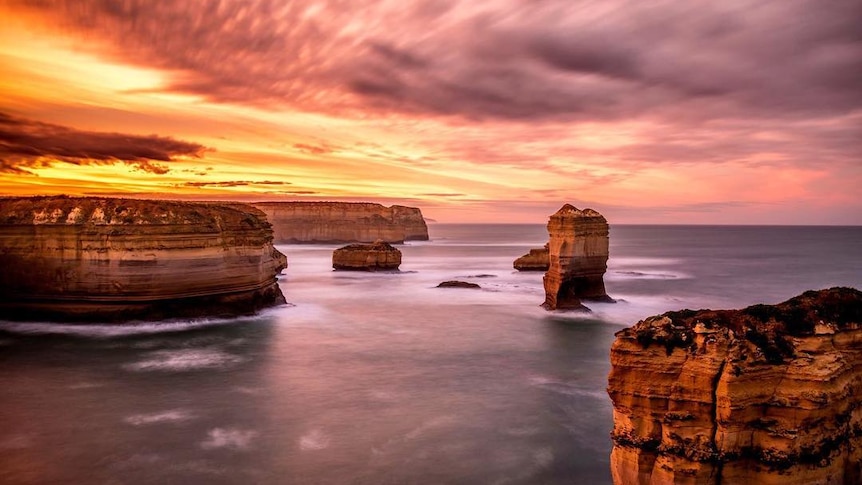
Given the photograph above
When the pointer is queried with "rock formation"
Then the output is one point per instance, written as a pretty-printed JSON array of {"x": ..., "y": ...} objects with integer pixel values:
[
  {"x": 578, "y": 258},
  {"x": 341, "y": 222},
  {"x": 535, "y": 260},
  {"x": 457, "y": 284},
  {"x": 380, "y": 256},
  {"x": 763, "y": 395},
  {"x": 102, "y": 259}
]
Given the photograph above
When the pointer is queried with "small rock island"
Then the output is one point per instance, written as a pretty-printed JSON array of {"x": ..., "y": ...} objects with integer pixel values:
[
  {"x": 91, "y": 259},
  {"x": 578, "y": 259},
  {"x": 380, "y": 256},
  {"x": 771, "y": 394},
  {"x": 537, "y": 259},
  {"x": 343, "y": 222}
]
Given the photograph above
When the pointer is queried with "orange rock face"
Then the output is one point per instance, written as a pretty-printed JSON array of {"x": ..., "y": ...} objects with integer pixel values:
[
  {"x": 339, "y": 222},
  {"x": 535, "y": 260},
  {"x": 763, "y": 395},
  {"x": 379, "y": 256},
  {"x": 578, "y": 258},
  {"x": 100, "y": 259}
]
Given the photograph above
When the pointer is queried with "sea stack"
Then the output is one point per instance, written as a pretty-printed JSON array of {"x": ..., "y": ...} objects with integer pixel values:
[
  {"x": 113, "y": 260},
  {"x": 535, "y": 260},
  {"x": 380, "y": 256},
  {"x": 764, "y": 395},
  {"x": 577, "y": 260},
  {"x": 343, "y": 222}
]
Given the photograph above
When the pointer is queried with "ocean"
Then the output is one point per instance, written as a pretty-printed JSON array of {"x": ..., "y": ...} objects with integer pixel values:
[{"x": 381, "y": 378}]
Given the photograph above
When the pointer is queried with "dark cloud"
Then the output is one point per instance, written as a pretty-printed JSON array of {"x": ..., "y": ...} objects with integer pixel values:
[
  {"x": 233, "y": 183},
  {"x": 26, "y": 145},
  {"x": 511, "y": 59}
]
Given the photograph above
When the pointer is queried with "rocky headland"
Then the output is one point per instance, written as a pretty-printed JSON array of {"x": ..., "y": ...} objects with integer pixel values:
[
  {"x": 343, "y": 222},
  {"x": 577, "y": 258},
  {"x": 110, "y": 260},
  {"x": 380, "y": 256},
  {"x": 536, "y": 260},
  {"x": 771, "y": 394}
]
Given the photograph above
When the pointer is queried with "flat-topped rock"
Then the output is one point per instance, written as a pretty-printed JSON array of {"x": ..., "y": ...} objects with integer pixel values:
[
  {"x": 458, "y": 284},
  {"x": 536, "y": 260},
  {"x": 104, "y": 259},
  {"x": 342, "y": 222},
  {"x": 380, "y": 256},
  {"x": 771, "y": 394},
  {"x": 577, "y": 259}
]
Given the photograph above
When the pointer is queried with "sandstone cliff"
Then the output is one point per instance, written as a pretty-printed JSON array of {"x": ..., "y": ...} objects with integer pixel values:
[
  {"x": 535, "y": 260},
  {"x": 339, "y": 222},
  {"x": 379, "y": 256},
  {"x": 764, "y": 395},
  {"x": 102, "y": 259},
  {"x": 578, "y": 258}
]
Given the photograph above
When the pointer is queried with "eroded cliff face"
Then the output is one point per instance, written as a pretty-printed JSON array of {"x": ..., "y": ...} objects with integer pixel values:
[
  {"x": 536, "y": 260},
  {"x": 339, "y": 222},
  {"x": 763, "y": 395},
  {"x": 379, "y": 256},
  {"x": 578, "y": 258},
  {"x": 102, "y": 259}
]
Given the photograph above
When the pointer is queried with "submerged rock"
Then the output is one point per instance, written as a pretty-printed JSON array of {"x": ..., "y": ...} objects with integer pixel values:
[
  {"x": 342, "y": 222},
  {"x": 103, "y": 259},
  {"x": 457, "y": 284},
  {"x": 380, "y": 256},
  {"x": 535, "y": 260},
  {"x": 578, "y": 258},
  {"x": 771, "y": 394}
]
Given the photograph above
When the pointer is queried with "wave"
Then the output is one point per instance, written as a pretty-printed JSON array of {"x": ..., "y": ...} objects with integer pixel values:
[{"x": 185, "y": 360}]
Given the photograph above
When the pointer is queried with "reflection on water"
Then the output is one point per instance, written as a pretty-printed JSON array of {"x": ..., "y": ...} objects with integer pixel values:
[{"x": 379, "y": 378}]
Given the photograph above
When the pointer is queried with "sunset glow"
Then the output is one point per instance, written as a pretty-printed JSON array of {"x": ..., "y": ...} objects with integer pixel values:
[{"x": 738, "y": 112}]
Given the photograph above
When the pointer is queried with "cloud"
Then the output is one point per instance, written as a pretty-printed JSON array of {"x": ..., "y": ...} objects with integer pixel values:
[
  {"x": 26, "y": 145},
  {"x": 507, "y": 59},
  {"x": 232, "y": 183}
]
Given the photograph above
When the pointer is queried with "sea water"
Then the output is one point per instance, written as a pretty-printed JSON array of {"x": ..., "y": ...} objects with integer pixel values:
[{"x": 382, "y": 378}]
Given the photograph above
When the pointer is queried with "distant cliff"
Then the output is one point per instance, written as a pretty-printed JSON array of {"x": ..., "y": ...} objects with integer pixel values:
[
  {"x": 103, "y": 259},
  {"x": 771, "y": 394},
  {"x": 340, "y": 222}
]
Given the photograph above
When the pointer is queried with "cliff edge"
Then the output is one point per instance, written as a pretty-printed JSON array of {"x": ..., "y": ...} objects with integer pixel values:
[
  {"x": 771, "y": 394},
  {"x": 105, "y": 259},
  {"x": 343, "y": 222}
]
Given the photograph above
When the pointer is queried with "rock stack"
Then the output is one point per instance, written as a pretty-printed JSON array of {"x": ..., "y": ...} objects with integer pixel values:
[
  {"x": 380, "y": 256},
  {"x": 578, "y": 258},
  {"x": 535, "y": 260},
  {"x": 102, "y": 259},
  {"x": 763, "y": 395}
]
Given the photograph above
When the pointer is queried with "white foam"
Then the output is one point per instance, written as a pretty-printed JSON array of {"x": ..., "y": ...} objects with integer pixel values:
[
  {"x": 313, "y": 440},
  {"x": 230, "y": 438},
  {"x": 185, "y": 360},
  {"x": 171, "y": 416}
]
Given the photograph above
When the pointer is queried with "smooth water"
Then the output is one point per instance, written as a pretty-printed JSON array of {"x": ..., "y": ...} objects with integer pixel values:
[{"x": 382, "y": 378}]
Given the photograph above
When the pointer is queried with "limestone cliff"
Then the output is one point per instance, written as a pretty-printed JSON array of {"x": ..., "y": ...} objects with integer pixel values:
[
  {"x": 577, "y": 260},
  {"x": 535, "y": 260},
  {"x": 340, "y": 222},
  {"x": 379, "y": 256},
  {"x": 103, "y": 259},
  {"x": 763, "y": 395}
]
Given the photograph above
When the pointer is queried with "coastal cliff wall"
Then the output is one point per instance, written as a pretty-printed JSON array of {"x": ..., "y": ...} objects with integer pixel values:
[
  {"x": 340, "y": 222},
  {"x": 577, "y": 258},
  {"x": 102, "y": 259},
  {"x": 763, "y": 395}
]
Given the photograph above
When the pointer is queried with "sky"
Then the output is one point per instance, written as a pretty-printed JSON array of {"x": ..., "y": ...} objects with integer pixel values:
[{"x": 655, "y": 112}]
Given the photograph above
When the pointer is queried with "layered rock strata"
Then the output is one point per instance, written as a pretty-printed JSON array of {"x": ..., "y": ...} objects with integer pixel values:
[
  {"x": 535, "y": 260},
  {"x": 380, "y": 256},
  {"x": 763, "y": 395},
  {"x": 102, "y": 259},
  {"x": 577, "y": 258},
  {"x": 341, "y": 222}
]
